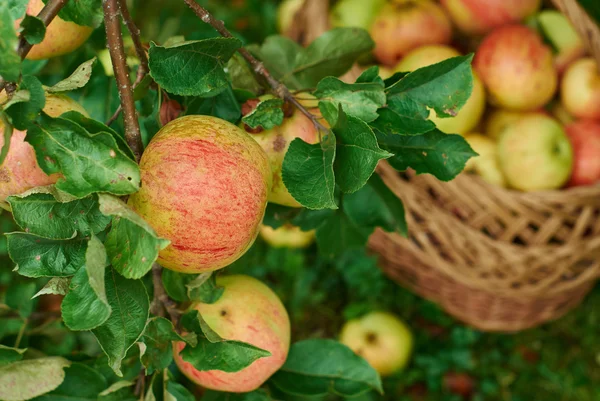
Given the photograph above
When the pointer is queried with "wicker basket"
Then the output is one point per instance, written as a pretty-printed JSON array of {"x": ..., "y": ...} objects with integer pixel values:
[{"x": 496, "y": 259}]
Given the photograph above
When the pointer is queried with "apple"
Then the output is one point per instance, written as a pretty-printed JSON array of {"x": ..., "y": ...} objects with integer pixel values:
[
  {"x": 251, "y": 312},
  {"x": 382, "y": 339},
  {"x": 478, "y": 17},
  {"x": 535, "y": 154},
  {"x": 61, "y": 36},
  {"x": 580, "y": 89},
  {"x": 562, "y": 35},
  {"x": 355, "y": 13},
  {"x": 468, "y": 117},
  {"x": 20, "y": 170},
  {"x": 286, "y": 13},
  {"x": 286, "y": 236},
  {"x": 204, "y": 187},
  {"x": 276, "y": 142},
  {"x": 517, "y": 68},
  {"x": 401, "y": 27},
  {"x": 499, "y": 119},
  {"x": 459, "y": 383},
  {"x": 486, "y": 164},
  {"x": 585, "y": 139}
]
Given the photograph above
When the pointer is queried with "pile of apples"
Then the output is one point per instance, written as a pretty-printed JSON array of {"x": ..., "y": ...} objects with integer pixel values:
[{"x": 534, "y": 113}]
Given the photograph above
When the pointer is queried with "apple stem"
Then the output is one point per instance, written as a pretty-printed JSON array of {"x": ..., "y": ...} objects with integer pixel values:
[
  {"x": 47, "y": 14},
  {"x": 161, "y": 301},
  {"x": 116, "y": 49},
  {"x": 258, "y": 67}
]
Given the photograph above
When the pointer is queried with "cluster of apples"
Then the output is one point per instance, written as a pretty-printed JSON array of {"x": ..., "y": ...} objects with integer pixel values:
[{"x": 534, "y": 113}]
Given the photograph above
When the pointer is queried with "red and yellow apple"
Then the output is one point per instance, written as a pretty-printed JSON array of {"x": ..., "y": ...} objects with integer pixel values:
[
  {"x": 286, "y": 236},
  {"x": 276, "y": 142},
  {"x": 381, "y": 339},
  {"x": 468, "y": 117},
  {"x": 477, "y": 17},
  {"x": 580, "y": 89},
  {"x": 204, "y": 187},
  {"x": 564, "y": 38},
  {"x": 251, "y": 312},
  {"x": 20, "y": 170},
  {"x": 401, "y": 27},
  {"x": 535, "y": 154},
  {"x": 61, "y": 36},
  {"x": 486, "y": 164},
  {"x": 585, "y": 139},
  {"x": 517, "y": 68}
]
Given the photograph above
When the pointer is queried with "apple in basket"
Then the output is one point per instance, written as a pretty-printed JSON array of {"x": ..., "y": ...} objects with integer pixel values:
[
  {"x": 585, "y": 138},
  {"x": 580, "y": 89},
  {"x": 486, "y": 164}
]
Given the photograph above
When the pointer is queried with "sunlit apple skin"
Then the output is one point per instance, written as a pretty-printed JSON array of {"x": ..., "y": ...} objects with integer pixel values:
[
  {"x": 355, "y": 13},
  {"x": 276, "y": 142},
  {"x": 486, "y": 164},
  {"x": 563, "y": 36},
  {"x": 382, "y": 339},
  {"x": 585, "y": 139},
  {"x": 287, "y": 236},
  {"x": 61, "y": 36},
  {"x": 204, "y": 187},
  {"x": 535, "y": 154},
  {"x": 517, "y": 68},
  {"x": 251, "y": 312},
  {"x": 580, "y": 89},
  {"x": 470, "y": 114},
  {"x": 499, "y": 119},
  {"x": 477, "y": 17},
  {"x": 20, "y": 170},
  {"x": 399, "y": 28}
]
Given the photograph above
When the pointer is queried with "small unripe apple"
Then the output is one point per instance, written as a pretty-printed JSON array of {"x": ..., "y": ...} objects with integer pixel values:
[
  {"x": 535, "y": 154},
  {"x": 580, "y": 89},
  {"x": 401, "y": 27},
  {"x": 61, "y": 36},
  {"x": 355, "y": 13},
  {"x": 563, "y": 36},
  {"x": 276, "y": 142},
  {"x": 486, "y": 164},
  {"x": 468, "y": 117},
  {"x": 477, "y": 17},
  {"x": 286, "y": 236},
  {"x": 517, "y": 68},
  {"x": 286, "y": 13},
  {"x": 382, "y": 339},
  {"x": 20, "y": 170},
  {"x": 250, "y": 312},
  {"x": 204, "y": 187},
  {"x": 499, "y": 119},
  {"x": 585, "y": 138}
]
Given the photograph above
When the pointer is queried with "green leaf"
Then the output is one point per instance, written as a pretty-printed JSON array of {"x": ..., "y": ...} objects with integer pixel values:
[
  {"x": 86, "y": 306},
  {"x": 267, "y": 114},
  {"x": 193, "y": 68},
  {"x": 279, "y": 53},
  {"x": 56, "y": 286},
  {"x": 176, "y": 392},
  {"x": 257, "y": 395},
  {"x": 319, "y": 367},
  {"x": 89, "y": 162},
  {"x": 16, "y": 8},
  {"x": 385, "y": 208},
  {"x": 435, "y": 152},
  {"x": 10, "y": 62},
  {"x": 308, "y": 172},
  {"x": 357, "y": 153},
  {"x": 82, "y": 383},
  {"x": 22, "y": 114},
  {"x": 83, "y": 12},
  {"x": 191, "y": 287},
  {"x": 338, "y": 234},
  {"x": 215, "y": 353},
  {"x": 19, "y": 297},
  {"x": 360, "y": 100},
  {"x": 40, "y": 257},
  {"x": 6, "y": 135},
  {"x": 132, "y": 245},
  {"x": 130, "y": 306},
  {"x": 158, "y": 348},
  {"x": 10, "y": 354},
  {"x": 33, "y": 29},
  {"x": 78, "y": 79},
  {"x": 23, "y": 380},
  {"x": 402, "y": 116},
  {"x": 43, "y": 215},
  {"x": 224, "y": 105},
  {"x": 241, "y": 74},
  {"x": 370, "y": 75}
]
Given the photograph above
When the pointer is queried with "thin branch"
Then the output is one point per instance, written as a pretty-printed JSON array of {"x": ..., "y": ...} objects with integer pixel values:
[
  {"x": 50, "y": 10},
  {"x": 161, "y": 301},
  {"x": 116, "y": 49},
  {"x": 137, "y": 42},
  {"x": 259, "y": 69}
]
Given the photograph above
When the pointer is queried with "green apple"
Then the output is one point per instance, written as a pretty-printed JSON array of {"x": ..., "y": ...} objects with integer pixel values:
[
  {"x": 499, "y": 119},
  {"x": 286, "y": 236},
  {"x": 486, "y": 164},
  {"x": 382, "y": 339},
  {"x": 564, "y": 38},
  {"x": 535, "y": 154},
  {"x": 580, "y": 89},
  {"x": 355, "y": 13},
  {"x": 286, "y": 13},
  {"x": 470, "y": 115}
]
